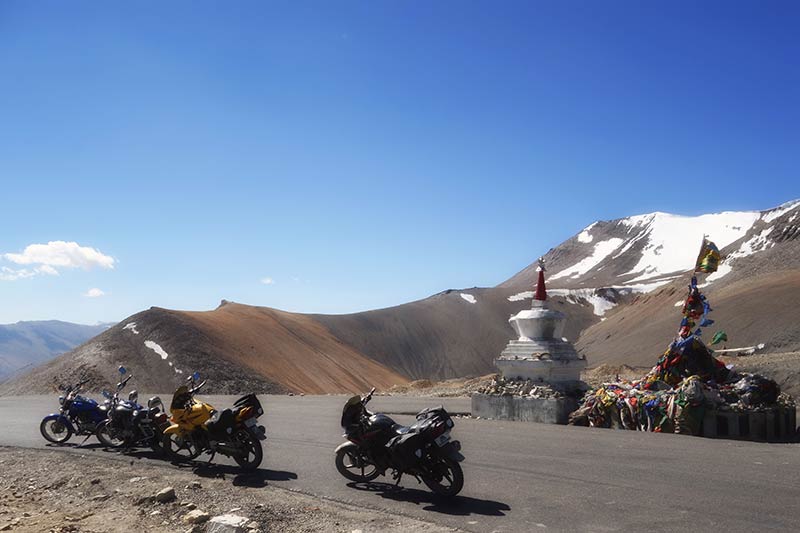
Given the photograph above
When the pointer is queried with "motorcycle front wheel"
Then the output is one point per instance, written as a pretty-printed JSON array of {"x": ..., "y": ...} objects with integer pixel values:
[
  {"x": 352, "y": 464},
  {"x": 108, "y": 435},
  {"x": 252, "y": 447},
  {"x": 179, "y": 448},
  {"x": 445, "y": 477},
  {"x": 55, "y": 431}
]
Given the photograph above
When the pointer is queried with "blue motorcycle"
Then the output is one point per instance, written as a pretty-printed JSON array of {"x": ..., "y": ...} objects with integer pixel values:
[{"x": 78, "y": 415}]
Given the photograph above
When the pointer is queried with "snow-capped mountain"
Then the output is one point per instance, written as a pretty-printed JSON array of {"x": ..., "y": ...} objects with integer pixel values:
[{"x": 640, "y": 253}]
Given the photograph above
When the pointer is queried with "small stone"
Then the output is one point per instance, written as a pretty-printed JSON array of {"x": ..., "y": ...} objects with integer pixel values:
[
  {"x": 227, "y": 523},
  {"x": 196, "y": 517},
  {"x": 155, "y": 513},
  {"x": 5, "y": 527},
  {"x": 136, "y": 479},
  {"x": 95, "y": 481},
  {"x": 99, "y": 497},
  {"x": 234, "y": 510},
  {"x": 194, "y": 485},
  {"x": 165, "y": 495},
  {"x": 191, "y": 506}
]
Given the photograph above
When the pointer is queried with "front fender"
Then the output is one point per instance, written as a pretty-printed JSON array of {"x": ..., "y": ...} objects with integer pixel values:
[
  {"x": 452, "y": 451},
  {"x": 173, "y": 428},
  {"x": 344, "y": 445},
  {"x": 63, "y": 419}
]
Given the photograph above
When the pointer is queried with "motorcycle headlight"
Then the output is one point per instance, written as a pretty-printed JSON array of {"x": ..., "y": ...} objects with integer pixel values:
[{"x": 135, "y": 414}]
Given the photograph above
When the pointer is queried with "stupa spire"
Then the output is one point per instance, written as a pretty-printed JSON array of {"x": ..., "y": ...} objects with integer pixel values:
[{"x": 541, "y": 291}]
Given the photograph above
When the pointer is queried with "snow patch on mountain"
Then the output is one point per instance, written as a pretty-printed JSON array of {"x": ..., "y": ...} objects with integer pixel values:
[
  {"x": 666, "y": 250},
  {"x": 468, "y": 297},
  {"x": 524, "y": 295},
  {"x": 590, "y": 296},
  {"x": 781, "y": 210},
  {"x": 156, "y": 348},
  {"x": 601, "y": 250},
  {"x": 584, "y": 235},
  {"x": 131, "y": 326},
  {"x": 756, "y": 243}
]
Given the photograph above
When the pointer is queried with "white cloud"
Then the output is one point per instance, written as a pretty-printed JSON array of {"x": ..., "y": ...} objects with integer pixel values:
[
  {"x": 61, "y": 254},
  {"x": 268, "y": 281},
  {"x": 94, "y": 293},
  {"x": 9, "y": 274}
]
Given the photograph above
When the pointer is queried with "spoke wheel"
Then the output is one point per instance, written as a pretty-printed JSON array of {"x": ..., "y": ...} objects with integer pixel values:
[
  {"x": 250, "y": 444},
  {"x": 445, "y": 477},
  {"x": 55, "y": 431},
  {"x": 354, "y": 466},
  {"x": 179, "y": 448},
  {"x": 108, "y": 435}
]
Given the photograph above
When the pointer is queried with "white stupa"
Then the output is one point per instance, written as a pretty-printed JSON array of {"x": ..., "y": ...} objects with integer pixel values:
[{"x": 540, "y": 353}]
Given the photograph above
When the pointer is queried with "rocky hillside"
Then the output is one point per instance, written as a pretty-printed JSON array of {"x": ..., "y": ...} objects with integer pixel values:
[
  {"x": 27, "y": 344},
  {"x": 618, "y": 281}
]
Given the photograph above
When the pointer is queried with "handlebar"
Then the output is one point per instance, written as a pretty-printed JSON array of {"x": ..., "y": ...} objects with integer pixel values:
[
  {"x": 368, "y": 397},
  {"x": 198, "y": 387}
]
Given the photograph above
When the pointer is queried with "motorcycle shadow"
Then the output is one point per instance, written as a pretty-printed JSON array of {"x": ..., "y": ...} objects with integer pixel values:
[
  {"x": 457, "y": 505},
  {"x": 76, "y": 445},
  {"x": 257, "y": 479}
]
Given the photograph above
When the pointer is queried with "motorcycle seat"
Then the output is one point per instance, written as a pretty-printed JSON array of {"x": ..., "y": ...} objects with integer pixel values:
[
  {"x": 400, "y": 430},
  {"x": 221, "y": 422}
]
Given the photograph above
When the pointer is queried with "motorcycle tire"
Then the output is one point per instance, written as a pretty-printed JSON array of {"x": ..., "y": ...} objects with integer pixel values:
[
  {"x": 60, "y": 432},
  {"x": 349, "y": 462},
  {"x": 446, "y": 477},
  {"x": 177, "y": 449},
  {"x": 105, "y": 435},
  {"x": 254, "y": 448}
]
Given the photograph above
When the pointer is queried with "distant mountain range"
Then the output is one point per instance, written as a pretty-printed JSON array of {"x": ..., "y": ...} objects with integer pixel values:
[
  {"x": 25, "y": 345},
  {"x": 618, "y": 281}
]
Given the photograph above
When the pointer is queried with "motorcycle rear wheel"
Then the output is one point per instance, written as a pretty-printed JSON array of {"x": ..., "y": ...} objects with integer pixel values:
[
  {"x": 354, "y": 466},
  {"x": 445, "y": 478},
  {"x": 108, "y": 435},
  {"x": 55, "y": 431},
  {"x": 255, "y": 454},
  {"x": 179, "y": 449}
]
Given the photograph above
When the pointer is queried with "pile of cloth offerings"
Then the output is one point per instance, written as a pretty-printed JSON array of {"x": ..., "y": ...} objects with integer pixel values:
[
  {"x": 686, "y": 380},
  {"x": 679, "y": 409}
]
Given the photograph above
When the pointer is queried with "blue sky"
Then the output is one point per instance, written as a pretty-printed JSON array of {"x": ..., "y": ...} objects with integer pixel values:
[{"x": 365, "y": 154}]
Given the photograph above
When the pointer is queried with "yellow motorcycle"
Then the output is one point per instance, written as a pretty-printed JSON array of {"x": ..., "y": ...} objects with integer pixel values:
[{"x": 197, "y": 427}]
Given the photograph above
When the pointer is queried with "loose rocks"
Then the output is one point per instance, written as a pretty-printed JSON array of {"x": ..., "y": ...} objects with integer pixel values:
[
  {"x": 165, "y": 495},
  {"x": 228, "y": 523},
  {"x": 196, "y": 517}
]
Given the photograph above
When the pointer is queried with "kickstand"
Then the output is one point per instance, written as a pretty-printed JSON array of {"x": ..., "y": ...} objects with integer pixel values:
[
  {"x": 84, "y": 440},
  {"x": 399, "y": 477},
  {"x": 211, "y": 458}
]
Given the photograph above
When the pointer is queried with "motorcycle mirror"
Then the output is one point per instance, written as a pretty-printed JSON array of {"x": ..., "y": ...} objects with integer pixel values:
[
  {"x": 196, "y": 376},
  {"x": 122, "y": 370},
  {"x": 106, "y": 394}
]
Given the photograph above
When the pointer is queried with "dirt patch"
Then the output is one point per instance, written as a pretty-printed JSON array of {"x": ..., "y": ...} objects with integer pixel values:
[{"x": 90, "y": 494}]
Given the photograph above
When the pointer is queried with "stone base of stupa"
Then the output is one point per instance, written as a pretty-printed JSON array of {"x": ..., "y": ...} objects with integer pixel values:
[
  {"x": 543, "y": 369},
  {"x": 525, "y": 409}
]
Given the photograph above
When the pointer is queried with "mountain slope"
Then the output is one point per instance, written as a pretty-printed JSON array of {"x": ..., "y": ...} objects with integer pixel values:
[
  {"x": 27, "y": 344},
  {"x": 617, "y": 281}
]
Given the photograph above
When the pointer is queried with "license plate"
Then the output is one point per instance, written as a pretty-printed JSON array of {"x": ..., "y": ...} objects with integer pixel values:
[{"x": 442, "y": 439}]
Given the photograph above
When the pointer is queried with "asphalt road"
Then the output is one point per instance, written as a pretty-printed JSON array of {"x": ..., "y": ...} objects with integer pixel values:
[{"x": 521, "y": 476}]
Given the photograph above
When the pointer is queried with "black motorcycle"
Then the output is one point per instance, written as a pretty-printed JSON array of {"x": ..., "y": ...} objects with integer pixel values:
[
  {"x": 377, "y": 444},
  {"x": 130, "y": 424}
]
